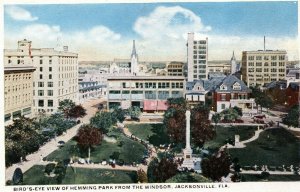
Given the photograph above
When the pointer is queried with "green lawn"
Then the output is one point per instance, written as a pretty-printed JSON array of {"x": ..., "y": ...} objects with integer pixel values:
[
  {"x": 36, "y": 176},
  {"x": 252, "y": 177},
  {"x": 274, "y": 147},
  {"x": 224, "y": 133},
  {"x": 156, "y": 134},
  {"x": 130, "y": 151}
]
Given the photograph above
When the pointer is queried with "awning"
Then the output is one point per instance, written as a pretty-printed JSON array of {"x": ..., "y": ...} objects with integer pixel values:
[
  {"x": 162, "y": 105},
  {"x": 150, "y": 105}
]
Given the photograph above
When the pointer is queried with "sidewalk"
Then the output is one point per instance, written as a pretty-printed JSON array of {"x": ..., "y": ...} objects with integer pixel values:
[{"x": 52, "y": 145}]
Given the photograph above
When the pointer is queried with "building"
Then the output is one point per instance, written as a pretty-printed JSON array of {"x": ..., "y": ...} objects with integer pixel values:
[
  {"x": 293, "y": 75},
  {"x": 175, "y": 68},
  {"x": 292, "y": 94},
  {"x": 232, "y": 92},
  {"x": 18, "y": 89},
  {"x": 260, "y": 67},
  {"x": 221, "y": 92},
  {"x": 90, "y": 89},
  {"x": 56, "y": 75},
  {"x": 149, "y": 93},
  {"x": 197, "y": 57},
  {"x": 219, "y": 67}
]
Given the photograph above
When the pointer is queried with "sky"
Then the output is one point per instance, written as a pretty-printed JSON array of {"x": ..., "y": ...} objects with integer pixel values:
[{"x": 106, "y": 31}]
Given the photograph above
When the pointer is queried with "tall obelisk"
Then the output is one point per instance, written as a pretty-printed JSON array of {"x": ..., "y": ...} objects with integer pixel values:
[{"x": 187, "y": 152}]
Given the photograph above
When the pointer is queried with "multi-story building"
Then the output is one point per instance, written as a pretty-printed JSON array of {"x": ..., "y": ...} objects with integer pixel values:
[
  {"x": 56, "y": 75},
  {"x": 18, "y": 81},
  {"x": 150, "y": 93},
  {"x": 220, "y": 67},
  {"x": 175, "y": 68},
  {"x": 197, "y": 57},
  {"x": 260, "y": 67},
  {"x": 90, "y": 89}
]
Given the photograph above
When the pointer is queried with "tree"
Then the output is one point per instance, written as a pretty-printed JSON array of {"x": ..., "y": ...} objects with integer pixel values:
[
  {"x": 160, "y": 171},
  {"x": 134, "y": 112},
  {"x": 102, "y": 121},
  {"x": 230, "y": 114},
  {"x": 292, "y": 118},
  {"x": 238, "y": 110},
  {"x": 261, "y": 98},
  {"x": 76, "y": 112},
  {"x": 142, "y": 176},
  {"x": 216, "y": 118},
  {"x": 21, "y": 139},
  {"x": 174, "y": 119},
  {"x": 88, "y": 136},
  {"x": 118, "y": 114},
  {"x": 201, "y": 128},
  {"x": 217, "y": 166},
  {"x": 65, "y": 106},
  {"x": 188, "y": 178},
  {"x": 17, "y": 177}
]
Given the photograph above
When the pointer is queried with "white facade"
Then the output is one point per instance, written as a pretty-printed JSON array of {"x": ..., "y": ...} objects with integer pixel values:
[
  {"x": 197, "y": 57},
  {"x": 55, "y": 78}
]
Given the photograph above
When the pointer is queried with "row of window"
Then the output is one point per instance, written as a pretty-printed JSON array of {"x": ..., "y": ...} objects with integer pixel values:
[
  {"x": 18, "y": 87},
  {"x": 41, "y": 103},
  {"x": 200, "y": 62},
  {"x": 41, "y": 93},
  {"x": 273, "y": 57},
  {"x": 265, "y": 70},
  {"x": 273, "y": 64}
]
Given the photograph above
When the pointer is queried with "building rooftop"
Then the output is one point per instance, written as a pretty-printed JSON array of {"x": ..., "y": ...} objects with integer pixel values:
[
  {"x": 145, "y": 78},
  {"x": 23, "y": 68}
]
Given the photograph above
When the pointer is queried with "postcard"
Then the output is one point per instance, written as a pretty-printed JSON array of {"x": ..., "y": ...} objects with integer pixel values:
[{"x": 153, "y": 95}]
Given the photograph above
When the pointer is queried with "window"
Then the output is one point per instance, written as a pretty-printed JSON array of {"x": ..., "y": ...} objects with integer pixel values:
[
  {"x": 9, "y": 61},
  {"x": 50, "y": 103},
  {"x": 41, "y": 103},
  {"x": 41, "y": 61},
  {"x": 50, "y": 84},
  {"x": 50, "y": 61},
  {"x": 50, "y": 69},
  {"x": 281, "y": 57},
  {"x": 250, "y": 58},
  {"x": 223, "y": 87},
  {"x": 40, "y": 92},
  {"x": 223, "y": 106},
  {"x": 258, "y": 69},
  {"x": 50, "y": 76},
  {"x": 258, "y": 58},
  {"x": 236, "y": 86},
  {"x": 150, "y": 94},
  {"x": 50, "y": 93},
  {"x": 251, "y": 64},
  {"x": 258, "y": 64},
  {"x": 266, "y": 64},
  {"x": 266, "y": 57},
  {"x": 273, "y": 64},
  {"x": 41, "y": 76},
  {"x": 223, "y": 97},
  {"x": 273, "y": 70},
  {"x": 40, "y": 84},
  {"x": 41, "y": 69},
  {"x": 266, "y": 70},
  {"x": 274, "y": 57}
]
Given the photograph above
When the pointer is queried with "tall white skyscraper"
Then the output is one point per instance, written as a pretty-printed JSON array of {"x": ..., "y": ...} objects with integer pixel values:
[{"x": 197, "y": 57}]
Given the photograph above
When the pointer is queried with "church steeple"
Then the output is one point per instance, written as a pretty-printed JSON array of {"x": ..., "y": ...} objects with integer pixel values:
[
  {"x": 133, "y": 50},
  {"x": 233, "y": 57}
]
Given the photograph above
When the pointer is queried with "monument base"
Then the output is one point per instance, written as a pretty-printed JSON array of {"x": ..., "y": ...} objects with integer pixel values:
[{"x": 188, "y": 159}]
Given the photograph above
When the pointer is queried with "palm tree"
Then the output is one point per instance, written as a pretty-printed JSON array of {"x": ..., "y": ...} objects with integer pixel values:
[{"x": 88, "y": 136}]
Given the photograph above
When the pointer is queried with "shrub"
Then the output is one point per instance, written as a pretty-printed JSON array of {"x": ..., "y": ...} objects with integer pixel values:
[{"x": 49, "y": 168}]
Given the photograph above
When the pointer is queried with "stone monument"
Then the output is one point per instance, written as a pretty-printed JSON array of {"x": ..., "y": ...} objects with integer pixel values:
[{"x": 187, "y": 152}]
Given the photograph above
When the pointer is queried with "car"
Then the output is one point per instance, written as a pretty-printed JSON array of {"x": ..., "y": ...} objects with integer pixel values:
[
  {"x": 61, "y": 142},
  {"x": 135, "y": 119}
]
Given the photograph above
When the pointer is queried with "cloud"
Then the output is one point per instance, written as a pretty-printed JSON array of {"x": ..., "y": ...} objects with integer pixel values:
[
  {"x": 169, "y": 22},
  {"x": 18, "y": 13}
]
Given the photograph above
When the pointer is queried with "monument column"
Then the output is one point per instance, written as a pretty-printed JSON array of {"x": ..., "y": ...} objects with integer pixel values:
[{"x": 187, "y": 152}]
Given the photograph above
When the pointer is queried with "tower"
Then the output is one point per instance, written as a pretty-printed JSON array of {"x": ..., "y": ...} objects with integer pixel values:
[
  {"x": 134, "y": 60},
  {"x": 233, "y": 64},
  {"x": 197, "y": 55}
]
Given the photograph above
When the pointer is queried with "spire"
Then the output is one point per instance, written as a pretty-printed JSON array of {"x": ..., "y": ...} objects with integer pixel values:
[
  {"x": 233, "y": 57},
  {"x": 133, "y": 49}
]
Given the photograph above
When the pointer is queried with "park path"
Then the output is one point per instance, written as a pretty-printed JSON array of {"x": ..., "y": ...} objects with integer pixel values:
[
  {"x": 151, "y": 148},
  {"x": 52, "y": 145},
  {"x": 241, "y": 144},
  {"x": 96, "y": 166}
]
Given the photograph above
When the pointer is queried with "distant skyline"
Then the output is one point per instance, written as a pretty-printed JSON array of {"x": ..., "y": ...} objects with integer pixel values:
[{"x": 106, "y": 31}]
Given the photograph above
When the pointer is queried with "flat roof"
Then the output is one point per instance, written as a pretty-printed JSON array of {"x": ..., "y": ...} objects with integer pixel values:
[
  {"x": 112, "y": 78},
  {"x": 19, "y": 68}
]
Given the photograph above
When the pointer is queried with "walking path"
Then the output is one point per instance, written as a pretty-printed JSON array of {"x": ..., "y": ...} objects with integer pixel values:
[
  {"x": 242, "y": 143},
  {"x": 151, "y": 148},
  {"x": 271, "y": 172},
  {"x": 96, "y": 166},
  {"x": 52, "y": 145}
]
